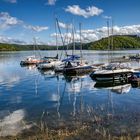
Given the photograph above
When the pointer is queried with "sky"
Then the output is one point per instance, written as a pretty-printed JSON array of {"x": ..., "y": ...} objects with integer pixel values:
[{"x": 23, "y": 20}]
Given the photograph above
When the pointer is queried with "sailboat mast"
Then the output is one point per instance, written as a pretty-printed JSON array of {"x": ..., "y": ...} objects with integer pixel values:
[
  {"x": 36, "y": 47},
  {"x": 34, "y": 42},
  {"x": 112, "y": 43},
  {"x": 108, "y": 32},
  {"x": 56, "y": 36},
  {"x": 73, "y": 37},
  {"x": 67, "y": 36},
  {"x": 57, "y": 23},
  {"x": 81, "y": 55}
]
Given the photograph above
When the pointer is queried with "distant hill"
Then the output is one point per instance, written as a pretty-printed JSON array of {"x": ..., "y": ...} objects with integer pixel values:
[
  {"x": 120, "y": 42},
  {"x": 15, "y": 47}
]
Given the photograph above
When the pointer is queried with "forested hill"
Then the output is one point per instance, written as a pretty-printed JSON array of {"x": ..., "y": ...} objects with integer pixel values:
[
  {"x": 15, "y": 47},
  {"x": 120, "y": 42}
]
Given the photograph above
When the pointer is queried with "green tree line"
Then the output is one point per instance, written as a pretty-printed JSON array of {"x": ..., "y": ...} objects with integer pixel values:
[{"x": 118, "y": 42}]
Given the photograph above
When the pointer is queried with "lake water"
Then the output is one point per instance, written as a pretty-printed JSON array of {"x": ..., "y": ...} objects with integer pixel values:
[{"x": 28, "y": 96}]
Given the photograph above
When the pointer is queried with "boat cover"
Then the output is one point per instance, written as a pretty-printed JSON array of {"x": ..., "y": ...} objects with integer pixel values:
[{"x": 71, "y": 58}]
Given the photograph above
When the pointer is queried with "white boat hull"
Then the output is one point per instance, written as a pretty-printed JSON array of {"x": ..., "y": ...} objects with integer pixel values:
[{"x": 50, "y": 65}]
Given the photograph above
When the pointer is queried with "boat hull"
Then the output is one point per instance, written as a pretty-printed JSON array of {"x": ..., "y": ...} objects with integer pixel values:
[
  {"x": 50, "y": 65},
  {"x": 29, "y": 62},
  {"x": 78, "y": 70},
  {"x": 111, "y": 76}
]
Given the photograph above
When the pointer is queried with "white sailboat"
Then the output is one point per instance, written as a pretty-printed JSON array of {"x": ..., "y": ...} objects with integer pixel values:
[
  {"x": 29, "y": 60},
  {"x": 33, "y": 59},
  {"x": 55, "y": 62},
  {"x": 74, "y": 64}
]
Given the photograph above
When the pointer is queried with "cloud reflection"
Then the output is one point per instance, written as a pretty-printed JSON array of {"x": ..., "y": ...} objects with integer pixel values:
[{"x": 13, "y": 123}]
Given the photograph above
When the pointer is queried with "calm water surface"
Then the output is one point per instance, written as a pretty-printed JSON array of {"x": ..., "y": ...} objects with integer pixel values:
[{"x": 28, "y": 95}]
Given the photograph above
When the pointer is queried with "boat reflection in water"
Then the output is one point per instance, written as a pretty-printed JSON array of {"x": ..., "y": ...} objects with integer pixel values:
[
  {"x": 30, "y": 67},
  {"x": 48, "y": 74},
  {"x": 68, "y": 89},
  {"x": 116, "y": 87}
]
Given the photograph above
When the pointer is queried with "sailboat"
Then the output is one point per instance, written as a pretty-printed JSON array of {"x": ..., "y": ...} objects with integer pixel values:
[
  {"x": 33, "y": 59},
  {"x": 52, "y": 62},
  {"x": 75, "y": 64},
  {"x": 30, "y": 60},
  {"x": 113, "y": 71}
]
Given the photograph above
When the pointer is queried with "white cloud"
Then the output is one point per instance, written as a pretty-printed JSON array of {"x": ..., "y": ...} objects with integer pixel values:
[
  {"x": 93, "y": 35},
  {"x": 11, "y": 1},
  {"x": 64, "y": 25},
  {"x": 7, "y": 21},
  {"x": 88, "y": 12},
  {"x": 9, "y": 40},
  {"x": 51, "y": 2},
  {"x": 36, "y": 28}
]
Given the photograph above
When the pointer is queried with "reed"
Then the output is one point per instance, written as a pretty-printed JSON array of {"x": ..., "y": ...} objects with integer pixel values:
[{"x": 97, "y": 127}]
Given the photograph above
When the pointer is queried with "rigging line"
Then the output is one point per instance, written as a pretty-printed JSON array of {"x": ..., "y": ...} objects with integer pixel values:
[
  {"x": 112, "y": 41},
  {"x": 67, "y": 30},
  {"x": 73, "y": 31},
  {"x": 69, "y": 41},
  {"x": 67, "y": 38},
  {"x": 38, "y": 50},
  {"x": 108, "y": 32},
  {"x": 66, "y": 41},
  {"x": 61, "y": 37},
  {"x": 36, "y": 47},
  {"x": 80, "y": 42},
  {"x": 56, "y": 39}
]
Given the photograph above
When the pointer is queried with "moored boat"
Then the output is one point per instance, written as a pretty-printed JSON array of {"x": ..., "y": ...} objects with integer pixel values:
[
  {"x": 30, "y": 60},
  {"x": 113, "y": 71},
  {"x": 74, "y": 65},
  {"x": 79, "y": 69},
  {"x": 50, "y": 64},
  {"x": 135, "y": 57}
]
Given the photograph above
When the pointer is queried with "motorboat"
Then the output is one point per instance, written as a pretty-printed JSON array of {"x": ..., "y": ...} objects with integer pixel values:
[
  {"x": 135, "y": 57},
  {"x": 135, "y": 79},
  {"x": 113, "y": 71}
]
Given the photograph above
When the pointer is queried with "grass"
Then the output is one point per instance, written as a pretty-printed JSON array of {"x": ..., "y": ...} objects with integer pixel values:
[
  {"x": 95, "y": 127},
  {"x": 82, "y": 133}
]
